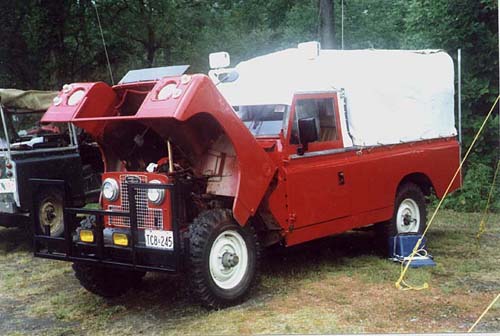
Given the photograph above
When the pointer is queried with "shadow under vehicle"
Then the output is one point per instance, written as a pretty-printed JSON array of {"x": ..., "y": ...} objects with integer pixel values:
[{"x": 31, "y": 149}]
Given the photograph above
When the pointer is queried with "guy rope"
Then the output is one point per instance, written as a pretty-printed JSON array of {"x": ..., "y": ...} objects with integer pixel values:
[
  {"x": 484, "y": 313},
  {"x": 486, "y": 212},
  {"x": 401, "y": 283}
]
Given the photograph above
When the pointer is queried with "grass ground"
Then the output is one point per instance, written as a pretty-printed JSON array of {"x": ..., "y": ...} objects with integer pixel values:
[{"x": 335, "y": 285}]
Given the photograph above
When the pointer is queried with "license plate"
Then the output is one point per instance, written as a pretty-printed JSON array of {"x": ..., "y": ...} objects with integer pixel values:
[{"x": 159, "y": 239}]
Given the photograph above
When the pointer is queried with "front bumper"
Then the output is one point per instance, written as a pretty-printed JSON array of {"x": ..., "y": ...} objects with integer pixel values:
[{"x": 102, "y": 251}]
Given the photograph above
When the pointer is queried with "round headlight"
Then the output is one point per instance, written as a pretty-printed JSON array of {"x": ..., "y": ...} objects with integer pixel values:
[
  {"x": 166, "y": 91},
  {"x": 156, "y": 196},
  {"x": 76, "y": 97},
  {"x": 110, "y": 189}
]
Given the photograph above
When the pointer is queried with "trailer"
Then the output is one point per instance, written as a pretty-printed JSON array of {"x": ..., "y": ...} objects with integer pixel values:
[{"x": 203, "y": 172}]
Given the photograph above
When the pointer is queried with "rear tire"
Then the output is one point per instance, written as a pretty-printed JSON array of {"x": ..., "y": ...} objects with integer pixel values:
[
  {"x": 224, "y": 259},
  {"x": 409, "y": 216},
  {"x": 106, "y": 282}
]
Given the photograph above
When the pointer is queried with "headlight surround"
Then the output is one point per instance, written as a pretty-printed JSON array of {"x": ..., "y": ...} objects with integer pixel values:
[
  {"x": 110, "y": 189},
  {"x": 167, "y": 91},
  {"x": 156, "y": 196}
]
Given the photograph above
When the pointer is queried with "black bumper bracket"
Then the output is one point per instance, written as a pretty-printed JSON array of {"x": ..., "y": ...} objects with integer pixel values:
[{"x": 136, "y": 256}]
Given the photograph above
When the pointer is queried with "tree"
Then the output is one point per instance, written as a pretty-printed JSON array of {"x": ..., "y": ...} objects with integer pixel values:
[
  {"x": 471, "y": 26},
  {"x": 327, "y": 24}
]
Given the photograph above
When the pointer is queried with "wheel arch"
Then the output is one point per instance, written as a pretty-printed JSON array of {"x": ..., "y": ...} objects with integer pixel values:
[{"x": 419, "y": 179}]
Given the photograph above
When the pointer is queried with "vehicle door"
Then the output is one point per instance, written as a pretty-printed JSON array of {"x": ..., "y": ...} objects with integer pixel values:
[{"x": 318, "y": 187}]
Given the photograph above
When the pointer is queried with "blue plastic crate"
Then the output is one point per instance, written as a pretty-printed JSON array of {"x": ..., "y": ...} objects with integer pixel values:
[{"x": 401, "y": 246}]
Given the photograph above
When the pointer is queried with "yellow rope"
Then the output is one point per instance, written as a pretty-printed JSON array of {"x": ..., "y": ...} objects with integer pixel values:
[
  {"x": 484, "y": 313},
  {"x": 486, "y": 213},
  {"x": 415, "y": 249}
]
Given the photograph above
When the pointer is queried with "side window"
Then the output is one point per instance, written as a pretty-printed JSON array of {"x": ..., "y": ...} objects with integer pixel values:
[{"x": 322, "y": 111}]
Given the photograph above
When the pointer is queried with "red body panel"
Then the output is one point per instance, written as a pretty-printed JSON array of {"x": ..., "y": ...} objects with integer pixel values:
[
  {"x": 198, "y": 96},
  {"x": 319, "y": 206},
  {"x": 331, "y": 189},
  {"x": 99, "y": 100},
  {"x": 255, "y": 167},
  {"x": 328, "y": 190}
]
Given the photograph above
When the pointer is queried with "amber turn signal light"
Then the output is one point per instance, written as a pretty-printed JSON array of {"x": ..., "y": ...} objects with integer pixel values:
[
  {"x": 120, "y": 239},
  {"x": 86, "y": 236}
]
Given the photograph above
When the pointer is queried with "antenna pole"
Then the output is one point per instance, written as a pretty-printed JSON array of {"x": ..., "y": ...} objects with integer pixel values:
[
  {"x": 342, "y": 25},
  {"x": 104, "y": 43},
  {"x": 459, "y": 57}
]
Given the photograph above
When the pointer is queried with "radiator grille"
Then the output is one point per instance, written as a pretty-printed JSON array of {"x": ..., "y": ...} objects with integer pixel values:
[{"x": 147, "y": 218}]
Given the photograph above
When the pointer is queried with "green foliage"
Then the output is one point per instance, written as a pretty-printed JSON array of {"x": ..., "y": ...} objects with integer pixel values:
[
  {"x": 46, "y": 43},
  {"x": 372, "y": 24},
  {"x": 471, "y": 26},
  {"x": 473, "y": 196},
  {"x": 301, "y": 23}
]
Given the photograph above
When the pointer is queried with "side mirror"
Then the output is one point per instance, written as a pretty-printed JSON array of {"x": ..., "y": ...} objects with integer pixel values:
[
  {"x": 228, "y": 76},
  {"x": 219, "y": 60},
  {"x": 307, "y": 133}
]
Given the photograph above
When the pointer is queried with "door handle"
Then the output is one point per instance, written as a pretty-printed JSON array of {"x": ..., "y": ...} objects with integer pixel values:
[{"x": 341, "y": 177}]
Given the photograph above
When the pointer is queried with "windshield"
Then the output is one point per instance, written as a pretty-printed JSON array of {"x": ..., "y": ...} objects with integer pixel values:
[
  {"x": 263, "y": 120},
  {"x": 25, "y": 131}
]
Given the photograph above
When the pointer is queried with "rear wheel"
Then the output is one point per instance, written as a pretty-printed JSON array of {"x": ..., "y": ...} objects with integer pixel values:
[
  {"x": 224, "y": 259},
  {"x": 410, "y": 214},
  {"x": 106, "y": 282},
  {"x": 408, "y": 217}
]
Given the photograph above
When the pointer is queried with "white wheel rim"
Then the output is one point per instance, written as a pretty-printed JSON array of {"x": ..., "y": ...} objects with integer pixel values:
[
  {"x": 408, "y": 217},
  {"x": 228, "y": 259}
]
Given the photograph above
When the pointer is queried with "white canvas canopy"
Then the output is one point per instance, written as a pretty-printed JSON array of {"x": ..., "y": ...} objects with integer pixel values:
[{"x": 392, "y": 96}]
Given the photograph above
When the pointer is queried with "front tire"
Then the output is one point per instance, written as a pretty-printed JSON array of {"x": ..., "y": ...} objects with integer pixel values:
[
  {"x": 224, "y": 259},
  {"x": 106, "y": 282}
]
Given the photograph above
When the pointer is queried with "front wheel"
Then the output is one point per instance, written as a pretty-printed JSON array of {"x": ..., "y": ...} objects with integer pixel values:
[
  {"x": 106, "y": 282},
  {"x": 224, "y": 258}
]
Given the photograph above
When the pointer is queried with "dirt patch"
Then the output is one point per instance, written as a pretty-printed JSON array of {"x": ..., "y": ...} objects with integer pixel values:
[
  {"x": 14, "y": 319},
  {"x": 379, "y": 308}
]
